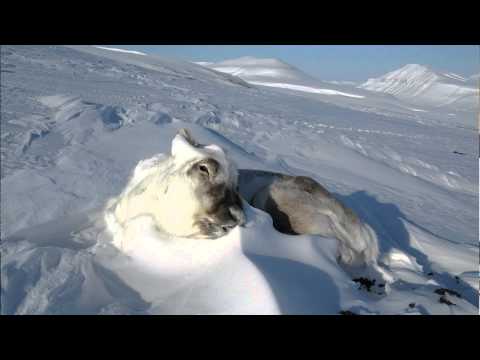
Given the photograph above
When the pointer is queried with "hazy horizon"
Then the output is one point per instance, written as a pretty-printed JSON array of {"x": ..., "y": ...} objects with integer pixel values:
[{"x": 334, "y": 62}]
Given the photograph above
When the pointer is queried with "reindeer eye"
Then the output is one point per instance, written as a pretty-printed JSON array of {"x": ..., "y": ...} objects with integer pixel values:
[{"x": 203, "y": 169}]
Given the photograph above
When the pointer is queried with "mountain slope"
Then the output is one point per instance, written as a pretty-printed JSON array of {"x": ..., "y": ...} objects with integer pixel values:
[
  {"x": 252, "y": 68},
  {"x": 421, "y": 85},
  {"x": 272, "y": 72}
]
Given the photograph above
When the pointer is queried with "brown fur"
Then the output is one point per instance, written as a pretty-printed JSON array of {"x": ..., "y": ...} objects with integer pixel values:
[{"x": 300, "y": 205}]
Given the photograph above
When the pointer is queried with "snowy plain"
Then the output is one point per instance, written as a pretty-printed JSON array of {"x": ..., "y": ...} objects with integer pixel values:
[{"x": 75, "y": 121}]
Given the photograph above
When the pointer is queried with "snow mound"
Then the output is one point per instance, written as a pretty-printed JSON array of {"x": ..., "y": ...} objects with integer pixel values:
[{"x": 240, "y": 273}]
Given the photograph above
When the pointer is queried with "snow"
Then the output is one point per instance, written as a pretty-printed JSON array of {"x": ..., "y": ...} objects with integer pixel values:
[
  {"x": 419, "y": 110},
  {"x": 248, "y": 67},
  {"x": 307, "y": 89},
  {"x": 121, "y": 50},
  {"x": 421, "y": 85},
  {"x": 455, "y": 76},
  {"x": 341, "y": 82},
  {"x": 203, "y": 63},
  {"x": 392, "y": 95},
  {"x": 76, "y": 120}
]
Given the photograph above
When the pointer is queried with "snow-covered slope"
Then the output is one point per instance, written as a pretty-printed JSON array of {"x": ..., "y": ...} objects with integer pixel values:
[
  {"x": 76, "y": 120},
  {"x": 252, "y": 68},
  {"x": 421, "y": 85},
  {"x": 120, "y": 50},
  {"x": 274, "y": 73}
]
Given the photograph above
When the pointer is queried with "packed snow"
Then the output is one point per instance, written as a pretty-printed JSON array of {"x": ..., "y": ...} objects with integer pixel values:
[{"x": 77, "y": 120}]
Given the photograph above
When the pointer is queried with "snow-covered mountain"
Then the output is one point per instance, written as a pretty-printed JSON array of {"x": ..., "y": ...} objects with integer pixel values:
[
  {"x": 406, "y": 93},
  {"x": 75, "y": 120},
  {"x": 421, "y": 85},
  {"x": 275, "y": 73},
  {"x": 257, "y": 69}
]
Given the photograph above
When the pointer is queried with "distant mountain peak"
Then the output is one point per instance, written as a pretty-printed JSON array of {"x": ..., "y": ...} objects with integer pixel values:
[
  {"x": 253, "y": 68},
  {"x": 422, "y": 84},
  {"x": 411, "y": 71},
  {"x": 423, "y": 73}
]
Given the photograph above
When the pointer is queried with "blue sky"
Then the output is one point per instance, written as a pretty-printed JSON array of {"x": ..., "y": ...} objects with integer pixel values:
[{"x": 335, "y": 62}]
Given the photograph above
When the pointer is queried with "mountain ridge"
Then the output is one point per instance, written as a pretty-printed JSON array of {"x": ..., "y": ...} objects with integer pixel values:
[{"x": 423, "y": 85}]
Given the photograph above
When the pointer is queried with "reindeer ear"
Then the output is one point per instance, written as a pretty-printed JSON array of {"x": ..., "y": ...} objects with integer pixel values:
[{"x": 187, "y": 136}]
